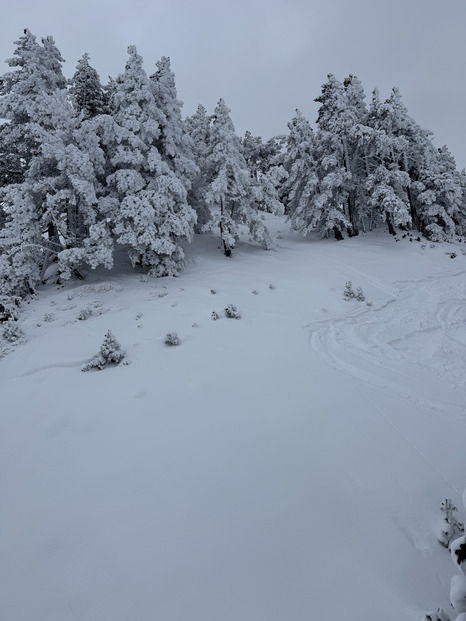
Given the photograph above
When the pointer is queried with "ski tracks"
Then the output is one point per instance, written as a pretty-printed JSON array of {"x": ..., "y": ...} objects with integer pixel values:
[{"x": 413, "y": 343}]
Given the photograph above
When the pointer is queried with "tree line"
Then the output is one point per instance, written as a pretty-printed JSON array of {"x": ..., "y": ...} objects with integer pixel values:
[{"x": 85, "y": 168}]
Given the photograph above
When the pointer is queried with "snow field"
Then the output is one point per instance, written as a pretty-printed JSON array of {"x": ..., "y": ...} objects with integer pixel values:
[{"x": 286, "y": 465}]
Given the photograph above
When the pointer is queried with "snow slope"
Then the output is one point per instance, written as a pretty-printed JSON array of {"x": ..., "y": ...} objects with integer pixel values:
[{"x": 285, "y": 466}]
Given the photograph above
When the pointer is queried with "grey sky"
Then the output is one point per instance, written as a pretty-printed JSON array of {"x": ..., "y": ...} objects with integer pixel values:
[{"x": 268, "y": 57}]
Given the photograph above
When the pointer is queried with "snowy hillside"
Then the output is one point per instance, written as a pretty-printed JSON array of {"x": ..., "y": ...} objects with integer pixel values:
[{"x": 287, "y": 465}]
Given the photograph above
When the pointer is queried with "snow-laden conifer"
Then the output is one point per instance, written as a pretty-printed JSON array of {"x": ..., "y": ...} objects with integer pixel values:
[
  {"x": 175, "y": 145},
  {"x": 147, "y": 201},
  {"x": 198, "y": 127},
  {"x": 231, "y": 192},
  {"x": 304, "y": 205},
  {"x": 86, "y": 92},
  {"x": 265, "y": 167}
]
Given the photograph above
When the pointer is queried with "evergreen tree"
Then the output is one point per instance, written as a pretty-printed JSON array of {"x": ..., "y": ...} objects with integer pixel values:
[
  {"x": 147, "y": 201},
  {"x": 86, "y": 92},
  {"x": 265, "y": 168},
  {"x": 34, "y": 98},
  {"x": 174, "y": 143},
  {"x": 342, "y": 124},
  {"x": 198, "y": 127},
  {"x": 302, "y": 189},
  {"x": 231, "y": 191},
  {"x": 440, "y": 197},
  {"x": 37, "y": 74},
  {"x": 53, "y": 216}
]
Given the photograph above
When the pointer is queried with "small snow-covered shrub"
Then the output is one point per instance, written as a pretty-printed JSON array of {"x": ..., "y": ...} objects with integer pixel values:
[
  {"x": 49, "y": 317},
  {"x": 11, "y": 332},
  {"x": 85, "y": 313},
  {"x": 232, "y": 312},
  {"x": 351, "y": 294},
  {"x": 94, "y": 308},
  {"x": 214, "y": 315},
  {"x": 449, "y": 527},
  {"x": 440, "y": 615},
  {"x": 110, "y": 353},
  {"x": 172, "y": 339}
]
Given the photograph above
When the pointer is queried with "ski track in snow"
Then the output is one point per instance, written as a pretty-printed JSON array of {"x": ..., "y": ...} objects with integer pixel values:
[{"x": 420, "y": 331}]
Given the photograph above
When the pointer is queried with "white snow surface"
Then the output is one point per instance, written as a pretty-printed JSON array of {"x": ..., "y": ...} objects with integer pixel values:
[{"x": 288, "y": 465}]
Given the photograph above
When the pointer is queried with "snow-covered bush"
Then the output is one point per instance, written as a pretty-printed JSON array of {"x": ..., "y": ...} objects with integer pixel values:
[
  {"x": 110, "y": 353},
  {"x": 232, "y": 312},
  {"x": 11, "y": 332},
  {"x": 172, "y": 338},
  {"x": 214, "y": 315},
  {"x": 351, "y": 294},
  {"x": 449, "y": 527}
]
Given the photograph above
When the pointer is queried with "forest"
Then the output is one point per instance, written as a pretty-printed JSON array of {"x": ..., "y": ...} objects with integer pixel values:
[{"x": 86, "y": 168}]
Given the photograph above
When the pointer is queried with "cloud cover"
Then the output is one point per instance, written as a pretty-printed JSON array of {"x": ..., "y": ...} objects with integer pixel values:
[{"x": 268, "y": 57}]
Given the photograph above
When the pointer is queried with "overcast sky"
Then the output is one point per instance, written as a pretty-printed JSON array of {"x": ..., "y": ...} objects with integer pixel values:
[{"x": 268, "y": 57}]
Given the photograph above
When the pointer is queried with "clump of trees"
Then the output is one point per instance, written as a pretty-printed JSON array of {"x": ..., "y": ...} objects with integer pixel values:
[{"x": 85, "y": 168}]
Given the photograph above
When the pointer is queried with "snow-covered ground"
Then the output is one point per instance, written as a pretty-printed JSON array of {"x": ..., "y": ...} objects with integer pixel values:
[{"x": 286, "y": 466}]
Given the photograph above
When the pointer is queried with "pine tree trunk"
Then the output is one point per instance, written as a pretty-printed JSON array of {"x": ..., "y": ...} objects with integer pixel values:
[
  {"x": 226, "y": 247},
  {"x": 391, "y": 229},
  {"x": 338, "y": 234}
]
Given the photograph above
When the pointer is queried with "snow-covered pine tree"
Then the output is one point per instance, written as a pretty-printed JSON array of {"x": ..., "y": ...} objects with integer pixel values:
[
  {"x": 433, "y": 191},
  {"x": 231, "y": 192},
  {"x": 387, "y": 184},
  {"x": 86, "y": 92},
  {"x": 265, "y": 167},
  {"x": 146, "y": 199},
  {"x": 36, "y": 73},
  {"x": 53, "y": 216},
  {"x": 198, "y": 127},
  {"x": 304, "y": 206},
  {"x": 341, "y": 121},
  {"x": 175, "y": 145},
  {"x": 440, "y": 197},
  {"x": 34, "y": 99}
]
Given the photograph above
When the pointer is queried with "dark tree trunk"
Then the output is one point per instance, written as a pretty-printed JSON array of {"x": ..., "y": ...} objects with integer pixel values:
[
  {"x": 226, "y": 246},
  {"x": 338, "y": 233},
  {"x": 391, "y": 228}
]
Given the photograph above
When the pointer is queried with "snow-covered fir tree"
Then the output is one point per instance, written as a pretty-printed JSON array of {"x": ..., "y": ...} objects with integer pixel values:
[
  {"x": 198, "y": 127},
  {"x": 231, "y": 192},
  {"x": 34, "y": 101},
  {"x": 52, "y": 216},
  {"x": 265, "y": 167},
  {"x": 307, "y": 205},
  {"x": 36, "y": 73},
  {"x": 86, "y": 92},
  {"x": 146, "y": 200},
  {"x": 174, "y": 143}
]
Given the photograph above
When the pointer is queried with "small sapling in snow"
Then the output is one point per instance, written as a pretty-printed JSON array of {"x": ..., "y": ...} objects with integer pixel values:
[
  {"x": 172, "y": 339},
  {"x": 110, "y": 354},
  {"x": 353, "y": 294},
  {"x": 449, "y": 527},
  {"x": 232, "y": 312}
]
